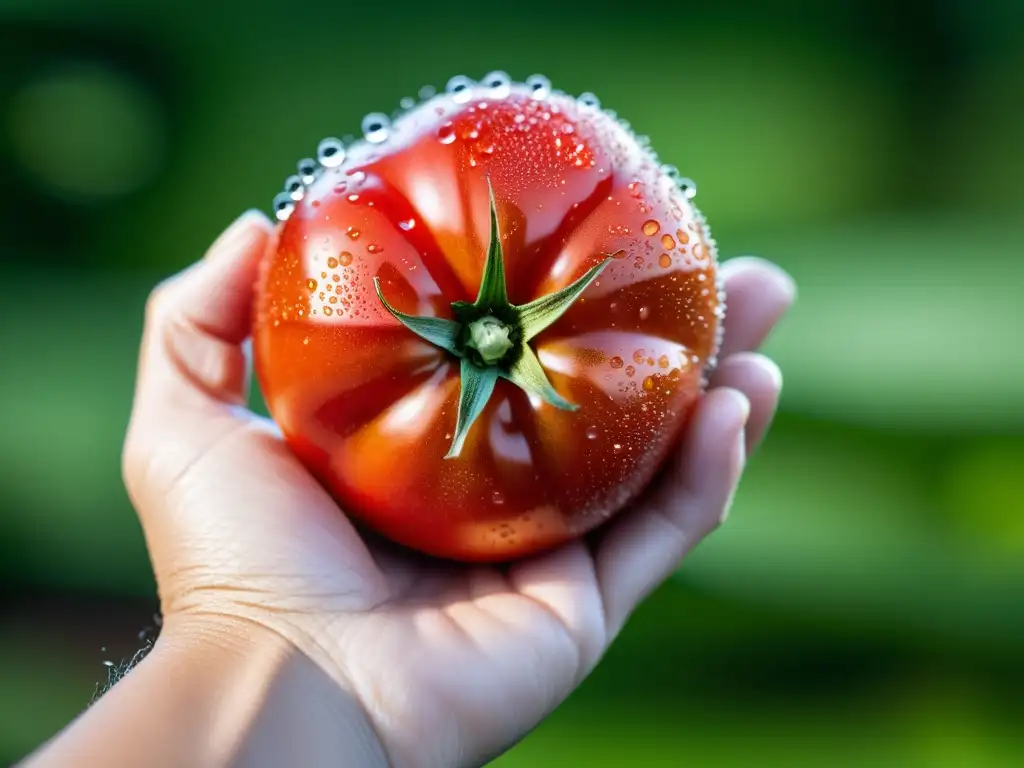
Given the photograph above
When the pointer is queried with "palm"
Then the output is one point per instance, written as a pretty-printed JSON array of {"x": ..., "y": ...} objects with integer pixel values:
[{"x": 463, "y": 659}]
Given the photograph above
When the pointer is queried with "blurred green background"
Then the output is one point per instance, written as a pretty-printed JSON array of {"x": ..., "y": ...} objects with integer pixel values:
[{"x": 864, "y": 605}]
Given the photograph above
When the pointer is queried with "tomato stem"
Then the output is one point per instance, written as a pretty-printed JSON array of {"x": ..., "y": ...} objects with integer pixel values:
[{"x": 490, "y": 336}]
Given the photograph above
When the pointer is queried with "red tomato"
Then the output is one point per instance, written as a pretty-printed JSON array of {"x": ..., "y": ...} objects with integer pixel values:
[{"x": 370, "y": 406}]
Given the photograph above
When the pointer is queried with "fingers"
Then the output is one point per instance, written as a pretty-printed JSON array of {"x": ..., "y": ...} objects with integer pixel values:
[
  {"x": 192, "y": 365},
  {"x": 757, "y": 294},
  {"x": 760, "y": 379},
  {"x": 641, "y": 549},
  {"x": 638, "y": 551}
]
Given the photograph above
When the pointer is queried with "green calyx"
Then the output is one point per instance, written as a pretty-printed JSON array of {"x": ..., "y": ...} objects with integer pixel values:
[{"x": 490, "y": 336}]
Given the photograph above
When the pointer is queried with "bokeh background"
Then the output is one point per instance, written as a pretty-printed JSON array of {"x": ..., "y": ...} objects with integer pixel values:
[{"x": 864, "y": 605}]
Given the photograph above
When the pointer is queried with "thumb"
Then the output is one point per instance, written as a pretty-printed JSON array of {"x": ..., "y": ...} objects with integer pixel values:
[{"x": 193, "y": 369}]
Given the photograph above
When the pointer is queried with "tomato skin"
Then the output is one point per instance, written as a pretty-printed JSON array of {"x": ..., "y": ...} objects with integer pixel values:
[{"x": 370, "y": 408}]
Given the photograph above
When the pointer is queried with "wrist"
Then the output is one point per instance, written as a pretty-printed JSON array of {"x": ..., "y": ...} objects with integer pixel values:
[
  {"x": 218, "y": 691},
  {"x": 269, "y": 703}
]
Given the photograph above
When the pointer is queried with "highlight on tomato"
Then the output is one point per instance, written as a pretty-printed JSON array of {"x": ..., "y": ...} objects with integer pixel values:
[{"x": 483, "y": 325}]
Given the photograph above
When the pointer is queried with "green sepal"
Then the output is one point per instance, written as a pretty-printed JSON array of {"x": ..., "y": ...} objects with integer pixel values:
[
  {"x": 493, "y": 292},
  {"x": 527, "y": 374},
  {"x": 438, "y": 331},
  {"x": 541, "y": 313},
  {"x": 475, "y": 390}
]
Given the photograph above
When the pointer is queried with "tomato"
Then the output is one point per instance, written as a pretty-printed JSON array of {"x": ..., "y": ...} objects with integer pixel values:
[{"x": 491, "y": 439}]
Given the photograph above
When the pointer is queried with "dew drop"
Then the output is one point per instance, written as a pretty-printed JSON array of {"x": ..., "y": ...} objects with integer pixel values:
[
  {"x": 667, "y": 242},
  {"x": 663, "y": 361},
  {"x": 672, "y": 172},
  {"x": 344, "y": 258},
  {"x": 294, "y": 187},
  {"x": 616, "y": 362},
  {"x": 331, "y": 153},
  {"x": 328, "y": 311},
  {"x": 644, "y": 313},
  {"x": 651, "y": 227},
  {"x": 630, "y": 370},
  {"x": 589, "y": 101},
  {"x": 648, "y": 383},
  {"x": 638, "y": 356},
  {"x": 311, "y": 284},
  {"x": 497, "y": 498},
  {"x": 427, "y": 92},
  {"x": 353, "y": 233},
  {"x": 688, "y": 187},
  {"x": 406, "y": 225},
  {"x": 374, "y": 248},
  {"x": 617, "y": 447},
  {"x": 682, "y": 236},
  {"x": 446, "y": 133},
  {"x": 375, "y": 127},
  {"x": 283, "y": 206},
  {"x": 306, "y": 340},
  {"x": 665, "y": 261},
  {"x": 307, "y": 168},
  {"x": 460, "y": 88},
  {"x": 540, "y": 86},
  {"x": 498, "y": 84},
  {"x": 332, "y": 263},
  {"x": 591, "y": 433},
  {"x": 407, "y": 102}
]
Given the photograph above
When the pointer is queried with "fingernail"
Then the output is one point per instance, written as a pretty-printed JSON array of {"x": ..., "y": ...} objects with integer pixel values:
[
  {"x": 235, "y": 236},
  {"x": 742, "y": 404}
]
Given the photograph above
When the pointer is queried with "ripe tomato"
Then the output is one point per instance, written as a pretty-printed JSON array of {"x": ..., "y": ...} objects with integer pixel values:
[{"x": 473, "y": 434}]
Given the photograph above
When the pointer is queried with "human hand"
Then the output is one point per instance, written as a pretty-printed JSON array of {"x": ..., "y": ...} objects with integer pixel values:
[{"x": 450, "y": 664}]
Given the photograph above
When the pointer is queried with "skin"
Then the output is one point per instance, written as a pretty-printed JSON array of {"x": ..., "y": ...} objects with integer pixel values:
[
  {"x": 357, "y": 394},
  {"x": 290, "y": 638}
]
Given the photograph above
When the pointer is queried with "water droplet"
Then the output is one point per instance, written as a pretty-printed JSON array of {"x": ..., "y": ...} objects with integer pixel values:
[
  {"x": 446, "y": 133},
  {"x": 353, "y": 233},
  {"x": 648, "y": 383},
  {"x": 589, "y": 101},
  {"x": 688, "y": 187},
  {"x": 283, "y": 206},
  {"x": 311, "y": 284},
  {"x": 591, "y": 433},
  {"x": 460, "y": 88},
  {"x": 332, "y": 262},
  {"x": 305, "y": 340},
  {"x": 328, "y": 311},
  {"x": 407, "y": 102},
  {"x": 617, "y": 447},
  {"x": 374, "y": 248},
  {"x": 406, "y": 225},
  {"x": 540, "y": 86},
  {"x": 682, "y": 236},
  {"x": 630, "y": 370},
  {"x": 307, "y": 168},
  {"x": 375, "y": 127},
  {"x": 294, "y": 187},
  {"x": 638, "y": 356},
  {"x": 498, "y": 84},
  {"x": 331, "y": 153},
  {"x": 616, "y": 362},
  {"x": 497, "y": 498},
  {"x": 344, "y": 258},
  {"x": 672, "y": 172},
  {"x": 667, "y": 242},
  {"x": 644, "y": 313},
  {"x": 663, "y": 361},
  {"x": 665, "y": 261},
  {"x": 651, "y": 227}
]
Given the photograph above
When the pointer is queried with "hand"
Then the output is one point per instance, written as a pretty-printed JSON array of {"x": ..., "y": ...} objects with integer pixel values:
[{"x": 451, "y": 664}]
